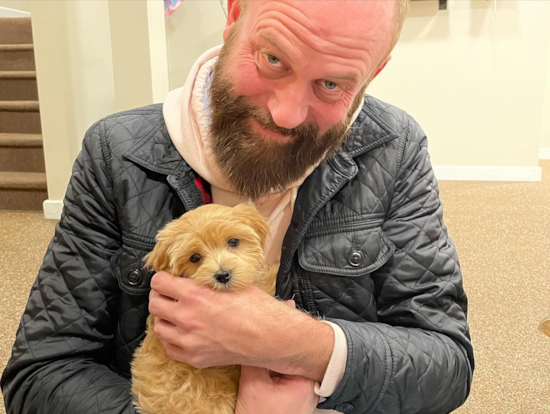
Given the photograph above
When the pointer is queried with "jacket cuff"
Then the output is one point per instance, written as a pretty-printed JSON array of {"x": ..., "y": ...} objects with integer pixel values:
[{"x": 336, "y": 366}]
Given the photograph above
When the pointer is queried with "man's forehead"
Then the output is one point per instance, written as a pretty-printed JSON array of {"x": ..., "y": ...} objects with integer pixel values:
[
  {"x": 365, "y": 21},
  {"x": 334, "y": 16}
]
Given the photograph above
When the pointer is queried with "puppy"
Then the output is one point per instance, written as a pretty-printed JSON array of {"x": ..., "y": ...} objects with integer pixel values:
[{"x": 217, "y": 246}]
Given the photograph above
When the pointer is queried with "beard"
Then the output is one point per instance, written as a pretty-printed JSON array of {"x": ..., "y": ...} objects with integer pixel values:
[{"x": 256, "y": 165}]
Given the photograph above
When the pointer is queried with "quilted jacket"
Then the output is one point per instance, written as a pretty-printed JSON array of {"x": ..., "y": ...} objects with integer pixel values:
[{"x": 367, "y": 249}]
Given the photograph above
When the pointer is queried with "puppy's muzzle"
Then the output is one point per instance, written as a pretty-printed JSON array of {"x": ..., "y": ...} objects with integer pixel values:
[{"x": 223, "y": 276}]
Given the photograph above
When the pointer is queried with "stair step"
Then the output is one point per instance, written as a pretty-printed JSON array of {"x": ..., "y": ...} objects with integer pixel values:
[
  {"x": 19, "y": 47},
  {"x": 22, "y": 159},
  {"x": 15, "y": 30},
  {"x": 17, "y": 57},
  {"x": 25, "y": 200},
  {"x": 21, "y": 141},
  {"x": 18, "y": 86},
  {"x": 23, "y": 181},
  {"x": 19, "y": 106},
  {"x": 20, "y": 117},
  {"x": 23, "y": 74},
  {"x": 22, "y": 153}
]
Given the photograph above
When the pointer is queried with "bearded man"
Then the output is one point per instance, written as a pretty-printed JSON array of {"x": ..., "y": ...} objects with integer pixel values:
[{"x": 277, "y": 115}]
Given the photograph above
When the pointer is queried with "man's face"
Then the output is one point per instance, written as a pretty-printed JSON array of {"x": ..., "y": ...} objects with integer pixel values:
[{"x": 286, "y": 83}]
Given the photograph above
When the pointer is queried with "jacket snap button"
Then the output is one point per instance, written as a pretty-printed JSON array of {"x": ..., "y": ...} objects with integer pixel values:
[
  {"x": 355, "y": 258},
  {"x": 134, "y": 277},
  {"x": 344, "y": 407}
]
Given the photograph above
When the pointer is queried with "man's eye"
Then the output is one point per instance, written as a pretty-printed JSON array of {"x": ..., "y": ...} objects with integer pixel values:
[
  {"x": 330, "y": 85},
  {"x": 273, "y": 60}
]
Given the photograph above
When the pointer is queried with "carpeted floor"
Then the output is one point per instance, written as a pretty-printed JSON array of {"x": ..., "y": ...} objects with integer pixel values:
[{"x": 502, "y": 232}]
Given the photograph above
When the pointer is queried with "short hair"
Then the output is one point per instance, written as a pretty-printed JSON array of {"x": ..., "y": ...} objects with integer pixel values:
[{"x": 402, "y": 11}]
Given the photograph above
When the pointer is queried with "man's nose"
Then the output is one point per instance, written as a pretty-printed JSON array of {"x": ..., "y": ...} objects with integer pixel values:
[{"x": 288, "y": 107}]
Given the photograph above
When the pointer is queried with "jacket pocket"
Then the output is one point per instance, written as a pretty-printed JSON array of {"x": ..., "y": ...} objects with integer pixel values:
[
  {"x": 127, "y": 263},
  {"x": 350, "y": 251}
]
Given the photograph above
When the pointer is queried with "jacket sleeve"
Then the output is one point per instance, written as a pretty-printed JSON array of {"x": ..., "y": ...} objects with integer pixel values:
[
  {"x": 63, "y": 343},
  {"x": 418, "y": 357}
]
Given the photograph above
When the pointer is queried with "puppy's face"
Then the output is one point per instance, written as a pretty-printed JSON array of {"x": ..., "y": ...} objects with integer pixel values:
[{"x": 215, "y": 245}]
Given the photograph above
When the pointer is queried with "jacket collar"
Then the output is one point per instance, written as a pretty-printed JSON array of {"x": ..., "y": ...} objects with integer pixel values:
[
  {"x": 369, "y": 130},
  {"x": 156, "y": 152}
]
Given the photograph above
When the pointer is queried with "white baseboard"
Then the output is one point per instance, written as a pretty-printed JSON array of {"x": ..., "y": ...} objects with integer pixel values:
[
  {"x": 53, "y": 209},
  {"x": 465, "y": 173},
  {"x": 544, "y": 153}
]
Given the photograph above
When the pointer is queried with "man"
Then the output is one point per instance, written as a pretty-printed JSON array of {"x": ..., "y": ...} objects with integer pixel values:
[{"x": 276, "y": 116}]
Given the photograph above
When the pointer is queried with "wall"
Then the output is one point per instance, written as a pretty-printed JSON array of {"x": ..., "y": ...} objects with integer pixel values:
[
  {"x": 130, "y": 44},
  {"x": 91, "y": 85},
  {"x": 195, "y": 27},
  {"x": 23, "y": 5},
  {"x": 545, "y": 140},
  {"x": 474, "y": 78},
  {"x": 138, "y": 44},
  {"x": 74, "y": 75},
  {"x": 93, "y": 58}
]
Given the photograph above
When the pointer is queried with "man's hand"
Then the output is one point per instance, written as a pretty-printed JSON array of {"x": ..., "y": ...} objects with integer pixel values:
[
  {"x": 261, "y": 394},
  {"x": 203, "y": 328}
]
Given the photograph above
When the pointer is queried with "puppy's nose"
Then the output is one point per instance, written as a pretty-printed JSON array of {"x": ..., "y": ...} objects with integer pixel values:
[{"x": 223, "y": 276}]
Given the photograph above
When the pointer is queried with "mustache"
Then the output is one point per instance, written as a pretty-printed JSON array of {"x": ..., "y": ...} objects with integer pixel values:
[{"x": 265, "y": 119}]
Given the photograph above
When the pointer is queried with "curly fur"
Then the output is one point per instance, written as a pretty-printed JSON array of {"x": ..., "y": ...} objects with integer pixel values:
[{"x": 161, "y": 385}]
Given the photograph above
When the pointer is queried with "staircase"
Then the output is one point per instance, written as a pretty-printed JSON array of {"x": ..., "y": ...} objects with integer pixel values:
[{"x": 22, "y": 170}]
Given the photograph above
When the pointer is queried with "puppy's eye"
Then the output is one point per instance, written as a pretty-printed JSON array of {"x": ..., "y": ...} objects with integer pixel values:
[
  {"x": 195, "y": 258},
  {"x": 233, "y": 242}
]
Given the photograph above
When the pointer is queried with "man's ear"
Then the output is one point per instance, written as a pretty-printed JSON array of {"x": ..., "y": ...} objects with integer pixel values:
[
  {"x": 382, "y": 66},
  {"x": 233, "y": 13}
]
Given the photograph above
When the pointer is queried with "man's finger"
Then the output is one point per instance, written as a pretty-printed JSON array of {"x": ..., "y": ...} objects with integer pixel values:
[
  {"x": 162, "y": 307},
  {"x": 296, "y": 381},
  {"x": 169, "y": 285},
  {"x": 166, "y": 331},
  {"x": 254, "y": 374},
  {"x": 175, "y": 352}
]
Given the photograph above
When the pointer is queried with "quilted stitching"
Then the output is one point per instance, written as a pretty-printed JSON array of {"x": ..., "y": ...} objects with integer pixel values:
[
  {"x": 67, "y": 320},
  {"x": 403, "y": 314},
  {"x": 420, "y": 286}
]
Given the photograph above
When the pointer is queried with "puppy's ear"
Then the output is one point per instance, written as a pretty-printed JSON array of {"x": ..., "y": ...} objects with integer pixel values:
[
  {"x": 253, "y": 218},
  {"x": 159, "y": 258}
]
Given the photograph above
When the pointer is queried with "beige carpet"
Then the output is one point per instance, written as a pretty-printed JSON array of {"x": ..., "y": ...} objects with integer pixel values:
[{"x": 502, "y": 232}]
